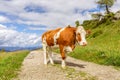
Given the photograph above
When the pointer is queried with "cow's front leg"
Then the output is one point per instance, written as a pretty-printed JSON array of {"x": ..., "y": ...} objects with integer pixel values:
[{"x": 63, "y": 64}]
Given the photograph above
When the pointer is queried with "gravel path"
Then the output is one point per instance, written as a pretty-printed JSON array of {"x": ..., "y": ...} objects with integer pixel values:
[{"x": 34, "y": 69}]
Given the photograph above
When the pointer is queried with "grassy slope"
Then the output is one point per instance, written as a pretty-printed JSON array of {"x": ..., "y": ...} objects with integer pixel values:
[
  {"x": 103, "y": 45},
  {"x": 10, "y": 63}
]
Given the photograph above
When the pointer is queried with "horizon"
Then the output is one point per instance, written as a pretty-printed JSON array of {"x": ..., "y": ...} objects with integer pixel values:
[
  {"x": 23, "y": 22},
  {"x": 9, "y": 49}
]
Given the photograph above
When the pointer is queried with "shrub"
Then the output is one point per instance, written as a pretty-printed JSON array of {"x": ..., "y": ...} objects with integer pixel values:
[
  {"x": 90, "y": 24},
  {"x": 107, "y": 19}
]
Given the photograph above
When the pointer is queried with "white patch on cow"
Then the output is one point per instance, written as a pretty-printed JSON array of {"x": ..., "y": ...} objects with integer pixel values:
[
  {"x": 83, "y": 41},
  {"x": 44, "y": 41},
  {"x": 68, "y": 49},
  {"x": 63, "y": 63},
  {"x": 57, "y": 35},
  {"x": 82, "y": 33}
]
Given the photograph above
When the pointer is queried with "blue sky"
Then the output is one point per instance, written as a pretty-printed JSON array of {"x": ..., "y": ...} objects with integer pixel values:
[{"x": 23, "y": 22}]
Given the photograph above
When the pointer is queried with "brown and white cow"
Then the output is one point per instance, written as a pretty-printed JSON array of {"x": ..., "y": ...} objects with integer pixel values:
[{"x": 65, "y": 38}]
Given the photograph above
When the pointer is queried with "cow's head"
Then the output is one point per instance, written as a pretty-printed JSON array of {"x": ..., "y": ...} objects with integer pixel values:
[{"x": 80, "y": 36}]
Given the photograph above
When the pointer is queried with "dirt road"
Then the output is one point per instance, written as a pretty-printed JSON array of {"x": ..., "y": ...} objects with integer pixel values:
[{"x": 34, "y": 69}]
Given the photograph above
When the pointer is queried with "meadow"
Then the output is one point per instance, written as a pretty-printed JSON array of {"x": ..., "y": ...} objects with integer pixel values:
[{"x": 10, "y": 63}]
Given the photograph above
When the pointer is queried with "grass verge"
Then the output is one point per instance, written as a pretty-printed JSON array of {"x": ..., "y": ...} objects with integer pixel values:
[{"x": 10, "y": 62}]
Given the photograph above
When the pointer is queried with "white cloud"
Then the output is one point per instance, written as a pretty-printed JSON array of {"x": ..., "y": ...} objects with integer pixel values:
[
  {"x": 9, "y": 37},
  {"x": 3, "y": 19}
]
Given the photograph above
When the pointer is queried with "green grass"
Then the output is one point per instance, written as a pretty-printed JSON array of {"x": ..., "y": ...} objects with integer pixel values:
[{"x": 10, "y": 62}]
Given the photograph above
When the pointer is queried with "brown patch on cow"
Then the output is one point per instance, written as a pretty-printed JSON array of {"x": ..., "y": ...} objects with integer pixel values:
[
  {"x": 67, "y": 37},
  {"x": 49, "y": 35}
]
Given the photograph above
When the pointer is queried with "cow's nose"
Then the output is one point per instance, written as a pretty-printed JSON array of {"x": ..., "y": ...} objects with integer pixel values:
[{"x": 84, "y": 43}]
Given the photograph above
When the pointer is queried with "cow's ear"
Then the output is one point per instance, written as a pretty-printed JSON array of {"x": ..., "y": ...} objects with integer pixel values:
[{"x": 88, "y": 32}]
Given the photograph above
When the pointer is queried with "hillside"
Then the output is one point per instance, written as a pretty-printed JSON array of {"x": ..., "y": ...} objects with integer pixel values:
[{"x": 103, "y": 43}]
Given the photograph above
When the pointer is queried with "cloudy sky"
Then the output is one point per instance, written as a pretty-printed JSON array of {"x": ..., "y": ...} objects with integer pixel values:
[{"x": 22, "y": 22}]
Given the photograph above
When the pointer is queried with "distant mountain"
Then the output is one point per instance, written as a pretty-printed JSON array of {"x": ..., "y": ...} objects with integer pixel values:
[{"x": 18, "y": 48}]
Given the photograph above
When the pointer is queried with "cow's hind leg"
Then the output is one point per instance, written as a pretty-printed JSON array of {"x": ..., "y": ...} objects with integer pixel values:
[
  {"x": 45, "y": 54},
  {"x": 50, "y": 55}
]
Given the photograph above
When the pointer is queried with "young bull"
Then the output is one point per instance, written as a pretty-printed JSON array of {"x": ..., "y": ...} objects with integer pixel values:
[{"x": 65, "y": 38}]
